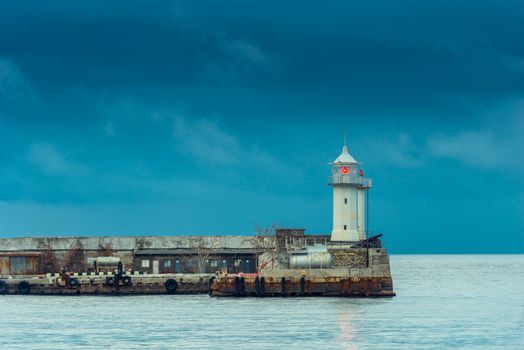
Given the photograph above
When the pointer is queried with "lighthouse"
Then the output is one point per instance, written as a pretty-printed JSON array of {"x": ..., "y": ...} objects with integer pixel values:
[{"x": 350, "y": 195}]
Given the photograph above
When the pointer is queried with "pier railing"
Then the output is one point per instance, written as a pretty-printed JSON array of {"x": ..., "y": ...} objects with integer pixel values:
[
  {"x": 298, "y": 243},
  {"x": 349, "y": 179},
  {"x": 294, "y": 244}
]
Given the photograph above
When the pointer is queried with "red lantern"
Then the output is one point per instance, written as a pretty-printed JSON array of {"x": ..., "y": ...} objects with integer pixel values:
[
  {"x": 361, "y": 172},
  {"x": 344, "y": 170}
]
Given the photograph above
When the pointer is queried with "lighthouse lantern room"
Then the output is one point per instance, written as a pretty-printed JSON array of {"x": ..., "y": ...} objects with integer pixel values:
[{"x": 350, "y": 196}]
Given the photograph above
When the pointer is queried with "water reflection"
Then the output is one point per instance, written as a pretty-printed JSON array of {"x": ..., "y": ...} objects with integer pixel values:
[{"x": 347, "y": 331}]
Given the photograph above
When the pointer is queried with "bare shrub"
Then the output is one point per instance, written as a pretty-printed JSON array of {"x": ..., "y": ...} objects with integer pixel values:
[
  {"x": 203, "y": 249},
  {"x": 48, "y": 260},
  {"x": 75, "y": 259},
  {"x": 105, "y": 249},
  {"x": 265, "y": 242}
]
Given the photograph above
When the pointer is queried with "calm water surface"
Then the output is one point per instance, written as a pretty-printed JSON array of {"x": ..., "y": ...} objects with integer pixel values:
[{"x": 443, "y": 302}]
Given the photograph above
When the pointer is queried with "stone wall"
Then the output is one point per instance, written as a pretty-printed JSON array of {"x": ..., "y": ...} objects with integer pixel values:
[{"x": 353, "y": 258}]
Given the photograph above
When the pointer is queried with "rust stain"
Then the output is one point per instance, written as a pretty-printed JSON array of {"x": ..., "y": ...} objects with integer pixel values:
[
  {"x": 4, "y": 265},
  {"x": 19, "y": 264},
  {"x": 320, "y": 286}
]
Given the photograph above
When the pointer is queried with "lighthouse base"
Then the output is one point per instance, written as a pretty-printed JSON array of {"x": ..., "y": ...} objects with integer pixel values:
[{"x": 345, "y": 236}]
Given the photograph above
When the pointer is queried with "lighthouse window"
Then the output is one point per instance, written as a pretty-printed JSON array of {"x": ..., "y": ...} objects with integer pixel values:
[
  {"x": 345, "y": 227},
  {"x": 345, "y": 201}
]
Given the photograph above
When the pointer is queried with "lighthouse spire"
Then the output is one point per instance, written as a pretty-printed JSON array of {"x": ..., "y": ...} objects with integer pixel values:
[{"x": 345, "y": 157}]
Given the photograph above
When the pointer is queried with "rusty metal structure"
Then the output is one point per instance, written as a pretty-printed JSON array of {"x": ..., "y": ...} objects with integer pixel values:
[{"x": 19, "y": 263}]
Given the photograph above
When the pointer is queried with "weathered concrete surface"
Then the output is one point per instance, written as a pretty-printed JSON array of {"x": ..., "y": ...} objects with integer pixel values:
[{"x": 124, "y": 243}]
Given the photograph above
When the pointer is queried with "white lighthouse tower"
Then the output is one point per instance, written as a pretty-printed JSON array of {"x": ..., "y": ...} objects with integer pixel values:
[{"x": 349, "y": 198}]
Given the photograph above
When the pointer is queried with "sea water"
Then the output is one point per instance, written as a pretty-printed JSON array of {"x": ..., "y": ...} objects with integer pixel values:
[{"x": 442, "y": 302}]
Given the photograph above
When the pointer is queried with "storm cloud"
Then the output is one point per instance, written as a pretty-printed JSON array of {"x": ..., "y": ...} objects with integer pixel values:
[{"x": 211, "y": 117}]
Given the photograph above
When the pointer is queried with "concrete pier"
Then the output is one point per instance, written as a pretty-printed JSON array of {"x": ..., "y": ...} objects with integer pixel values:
[
  {"x": 288, "y": 263},
  {"x": 127, "y": 284}
]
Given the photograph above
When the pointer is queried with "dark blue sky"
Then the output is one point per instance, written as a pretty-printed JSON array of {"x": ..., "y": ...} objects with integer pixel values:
[{"x": 182, "y": 117}]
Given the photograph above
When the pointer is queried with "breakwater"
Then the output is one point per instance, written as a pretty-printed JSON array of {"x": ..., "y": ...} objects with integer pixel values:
[
  {"x": 288, "y": 263},
  {"x": 251, "y": 285}
]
